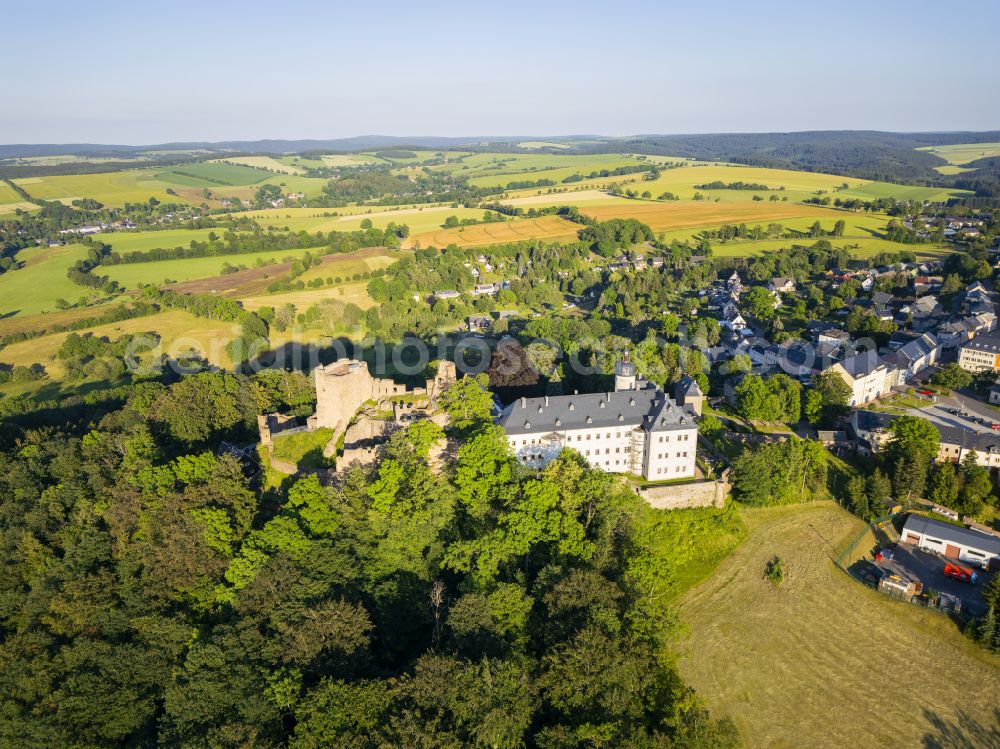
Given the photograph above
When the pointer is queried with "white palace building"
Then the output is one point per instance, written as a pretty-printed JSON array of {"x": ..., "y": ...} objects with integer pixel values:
[{"x": 637, "y": 429}]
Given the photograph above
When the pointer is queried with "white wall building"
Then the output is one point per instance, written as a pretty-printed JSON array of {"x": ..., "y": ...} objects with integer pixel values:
[{"x": 637, "y": 429}]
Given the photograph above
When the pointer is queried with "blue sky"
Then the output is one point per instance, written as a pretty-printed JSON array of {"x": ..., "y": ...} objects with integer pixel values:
[{"x": 155, "y": 72}]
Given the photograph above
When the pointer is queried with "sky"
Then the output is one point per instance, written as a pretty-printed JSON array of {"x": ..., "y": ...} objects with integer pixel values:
[{"x": 143, "y": 73}]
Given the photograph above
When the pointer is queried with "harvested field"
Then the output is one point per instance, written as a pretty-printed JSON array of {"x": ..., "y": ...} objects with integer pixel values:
[
  {"x": 698, "y": 213},
  {"x": 548, "y": 228}
]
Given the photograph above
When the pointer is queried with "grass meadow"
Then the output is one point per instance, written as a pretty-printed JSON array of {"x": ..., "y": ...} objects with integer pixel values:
[
  {"x": 822, "y": 661},
  {"x": 548, "y": 228},
  {"x": 125, "y": 242},
  {"x": 35, "y": 287},
  {"x": 264, "y": 162}
]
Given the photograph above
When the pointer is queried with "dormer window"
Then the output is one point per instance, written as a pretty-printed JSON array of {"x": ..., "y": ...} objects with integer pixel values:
[
  {"x": 602, "y": 404},
  {"x": 621, "y": 418},
  {"x": 572, "y": 407},
  {"x": 589, "y": 420},
  {"x": 539, "y": 409},
  {"x": 558, "y": 422},
  {"x": 527, "y": 425},
  {"x": 631, "y": 401}
]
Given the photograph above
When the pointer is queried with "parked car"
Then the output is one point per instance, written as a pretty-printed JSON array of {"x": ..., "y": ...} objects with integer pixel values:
[
  {"x": 925, "y": 392},
  {"x": 995, "y": 427}
]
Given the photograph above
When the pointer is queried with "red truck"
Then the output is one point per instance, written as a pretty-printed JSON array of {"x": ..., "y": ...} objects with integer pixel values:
[{"x": 958, "y": 572}]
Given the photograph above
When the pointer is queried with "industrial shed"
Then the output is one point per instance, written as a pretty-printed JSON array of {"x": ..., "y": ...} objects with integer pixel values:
[{"x": 952, "y": 541}]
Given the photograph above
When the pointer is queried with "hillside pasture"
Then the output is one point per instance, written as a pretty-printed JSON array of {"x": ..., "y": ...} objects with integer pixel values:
[
  {"x": 36, "y": 287},
  {"x": 546, "y": 228},
  {"x": 179, "y": 331},
  {"x": 535, "y": 144},
  {"x": 112, "y": 189},
  {"x": 349, "y": 160},
  {"x": 807, "y": 663},
  {"x": 904, "y": 192}
]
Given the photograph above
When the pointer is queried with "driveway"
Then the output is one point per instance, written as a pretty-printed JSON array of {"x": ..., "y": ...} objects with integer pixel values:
[{"x": 910, "y": 562}]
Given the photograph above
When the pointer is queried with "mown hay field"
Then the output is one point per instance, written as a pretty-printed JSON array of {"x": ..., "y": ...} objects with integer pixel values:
[
  {"x": 821, "y": 660},
  {"x": 212, "y": 174},
  {"x": 546, "y": 228}
]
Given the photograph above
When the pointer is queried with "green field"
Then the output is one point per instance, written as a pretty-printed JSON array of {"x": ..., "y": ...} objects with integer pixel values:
[
  {"x": 10, "y": 201},
  {"x": 822, "y": 661},
  {"x": 903, "y": 192},
  {"x": 125, "y": 242},
  {"x": 963, "y": 153},
  {"x": 113, "y": 189},
  {"x": 212, "y": 174},
  {"x": 540, "y": 144},
  {"x": 36, "y": 287},
  {"x": 135, "y": 275}
]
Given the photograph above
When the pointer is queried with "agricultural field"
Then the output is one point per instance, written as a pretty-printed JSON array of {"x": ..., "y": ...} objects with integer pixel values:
[
  {"x": 263, "y": 162},
  {"x": 179, "y": 332},
  {"x": 10, "y": 201},
  {"x": 349, "y": 159},
  {"x": 547, "y": 228},
  {"x": 135, "y": 275},
  {"x": 904, "y": 192},
  {"x": 540, "y": 144},
  {"x": 963, "y": 153},
  {"x": 113, "y": 189},
  {"x": 703, "y": 213},
  {"x": 418, "y": 218},
  {"x": 124, "y": 242},
  {"x": 355, "y": 292},
  {"x": 212, "y": 174},
  {"x": 36, "y": 287},
  {"x": 822, "y": 661}
]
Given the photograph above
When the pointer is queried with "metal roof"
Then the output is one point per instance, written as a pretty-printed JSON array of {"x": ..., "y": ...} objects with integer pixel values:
[{"x": 956, "y": 534}]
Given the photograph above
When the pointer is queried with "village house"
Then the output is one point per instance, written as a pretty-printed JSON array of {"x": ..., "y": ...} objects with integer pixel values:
[
  {"x": 868, "y": 376},
  {"x": 781, "y": 285},
  {"x": 952, "y": 541}
]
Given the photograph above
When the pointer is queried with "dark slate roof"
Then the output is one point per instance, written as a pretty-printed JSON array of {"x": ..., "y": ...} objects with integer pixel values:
[
  {"x": 984, "y": 343},
  {"x": 862, "y": 364},
  {"x": 648, "y": 408},
  {"x": 688, "y": 386},
  {"x": 956, "y": 534}
]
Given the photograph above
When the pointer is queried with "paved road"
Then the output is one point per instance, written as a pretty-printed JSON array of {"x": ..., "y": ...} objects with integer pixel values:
[{"x": 939, "y": 415}]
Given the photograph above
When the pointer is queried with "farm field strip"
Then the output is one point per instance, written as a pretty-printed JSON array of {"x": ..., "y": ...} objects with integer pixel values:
[
  {"x": 548, "y": 228},
  {"x": 802, "y": 664},
  {"x": 110, "y": 188},
  {"x": 262, "y": 162},
  {"x": 685, "y": 214}
]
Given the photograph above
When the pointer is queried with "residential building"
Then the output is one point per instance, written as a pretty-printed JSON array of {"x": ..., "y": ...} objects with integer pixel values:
[
  {"x": 916, "y": 355},
  {"x": 782, "y": 285},
  {"x": 868, "y": 376},
  {"x": 953, "y": 541},
  {"x": 979, "y": 354},
  {"x": 637, "y": 429}
]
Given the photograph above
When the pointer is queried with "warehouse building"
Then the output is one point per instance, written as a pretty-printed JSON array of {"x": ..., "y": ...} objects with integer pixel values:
[{"x": 953, "y": 541}]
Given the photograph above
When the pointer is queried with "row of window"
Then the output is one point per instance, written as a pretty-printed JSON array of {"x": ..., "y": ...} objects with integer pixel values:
[
  {"x": 666, "y": 469},
  {"x": 661, "y": 456},
  {"x": 680, "y": 438}
]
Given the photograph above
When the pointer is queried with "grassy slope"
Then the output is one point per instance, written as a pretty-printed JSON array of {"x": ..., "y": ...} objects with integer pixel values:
[
  {"x": 35, "y": 287},
  {"x": 134, "y": 275},
  {"x": 179, "y": 332},
  {"x": 821, "y": 660}
]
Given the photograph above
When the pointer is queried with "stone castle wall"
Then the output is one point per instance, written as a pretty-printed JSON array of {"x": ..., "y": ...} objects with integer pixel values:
[{"x": 685, "y": 496}]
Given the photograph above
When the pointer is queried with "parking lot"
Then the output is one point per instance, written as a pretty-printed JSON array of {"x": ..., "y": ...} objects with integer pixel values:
[{"x": 910, "y": 562}]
